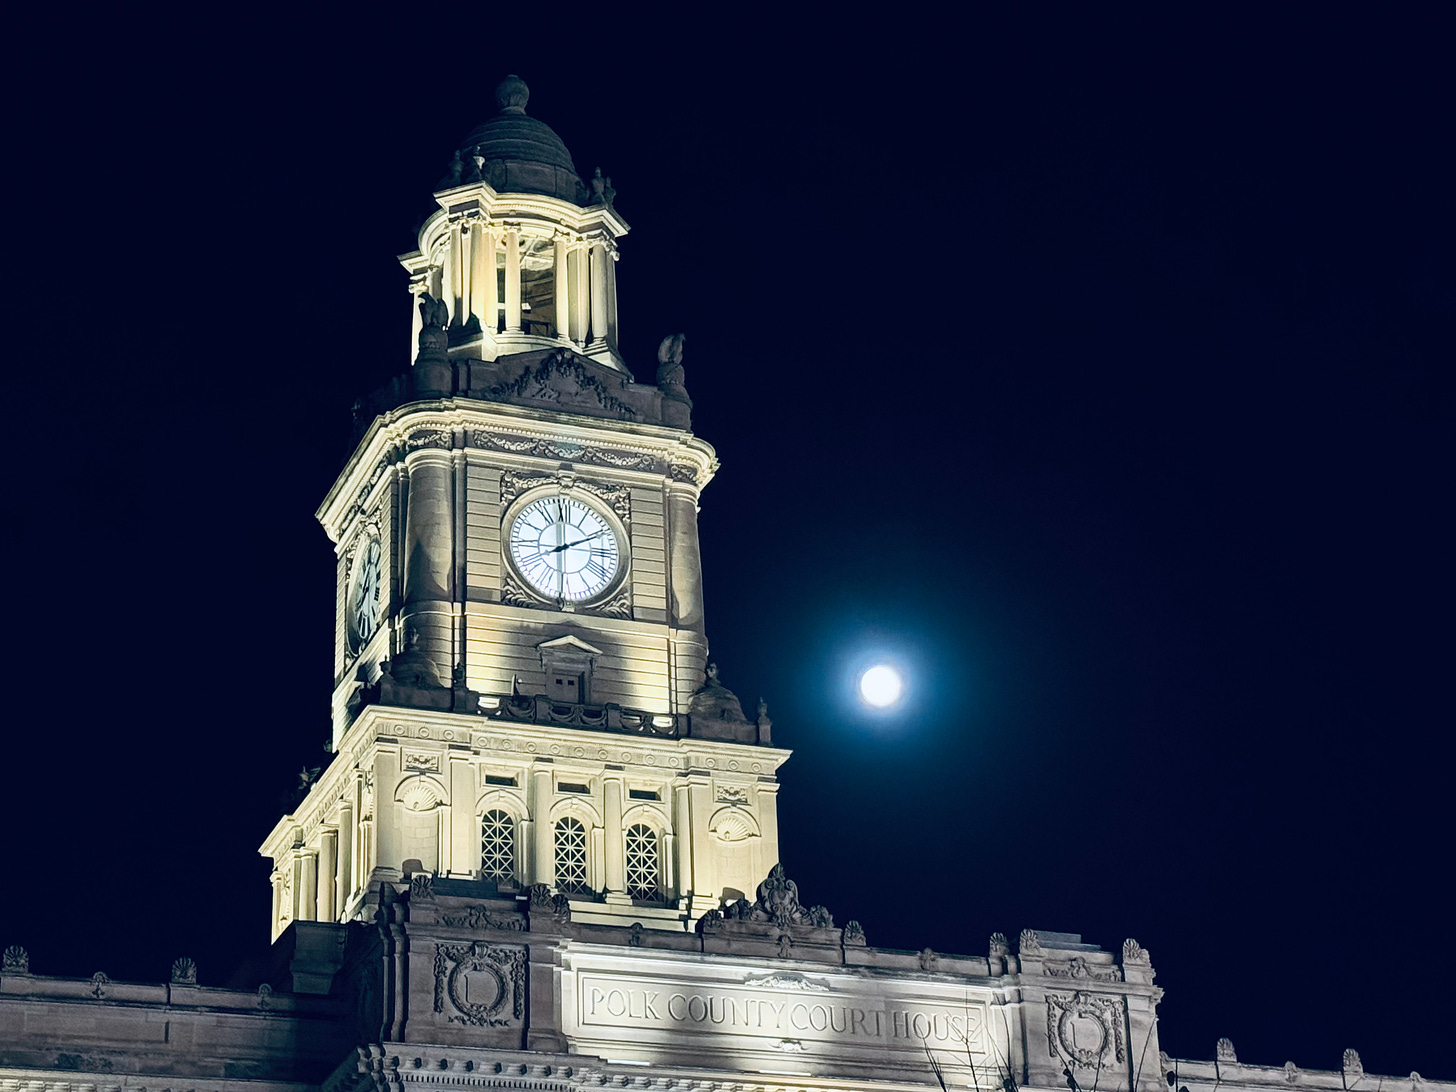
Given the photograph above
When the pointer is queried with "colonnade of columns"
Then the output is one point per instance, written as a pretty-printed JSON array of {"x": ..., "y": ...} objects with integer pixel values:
[
  {"x": 479, "y": 275},
  {"x": 318, "y": 882}
]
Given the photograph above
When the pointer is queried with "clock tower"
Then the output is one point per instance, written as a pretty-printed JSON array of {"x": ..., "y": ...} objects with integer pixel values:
[{"x": 522, "y": 696}]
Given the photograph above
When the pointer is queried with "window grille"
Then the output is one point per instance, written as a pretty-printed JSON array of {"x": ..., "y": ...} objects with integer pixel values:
[
  {"x": 571, "y": 878},
  {"x": 497, "y": 845},
  {"x": 642, "y": 862}
]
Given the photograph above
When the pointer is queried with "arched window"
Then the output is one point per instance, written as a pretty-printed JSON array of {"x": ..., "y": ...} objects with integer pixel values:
[
  {"x": 497, "y": 845},
  {"x": 571, "y": 875},
  {"x": 642, "y": 862}
]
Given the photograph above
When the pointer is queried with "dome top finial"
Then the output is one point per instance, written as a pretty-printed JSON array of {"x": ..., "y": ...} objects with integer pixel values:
[{"x": 511, "y": 95}]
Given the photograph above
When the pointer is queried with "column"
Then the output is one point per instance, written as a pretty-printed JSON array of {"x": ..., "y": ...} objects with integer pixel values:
[
  {"x": 451, "y": 284},
  {"x": 479, "y": 250},
  {"x": 428, "y": 559},
  {"x": 417, "y": 288},
  {"x": 684, "y": 559},
  {"x": 560, "y": 287},
  {"x": 277, "y": 880},
  {"x": 682, "y": 822},
  {"x": 464, "y": 823},
  {"x": 467, "y": 266},
  {"x": 543, "y": 863},
  {"x": 513, "y": 280},
  {"x": 579, "y": 293},
  {"x": 344, "y": 883},
  {"x": 306, "y": 885},
  {"x": 388, "y": 854},
  {"x": 327, "y": 863},
  {"x": 611, "y": 277},
  {"x": 490, "y": 309},
  {"x": 598, "y": 294},
  {"x": 457, "y": 267},
  {"x": 612, "y": 841}
]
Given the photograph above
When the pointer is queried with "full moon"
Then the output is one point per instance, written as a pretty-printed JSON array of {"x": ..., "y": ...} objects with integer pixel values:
[{"x": 880, "y": 685}]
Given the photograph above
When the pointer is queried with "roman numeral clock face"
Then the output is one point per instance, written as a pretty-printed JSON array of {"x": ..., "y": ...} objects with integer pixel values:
[{"x": 565, "y": 549}]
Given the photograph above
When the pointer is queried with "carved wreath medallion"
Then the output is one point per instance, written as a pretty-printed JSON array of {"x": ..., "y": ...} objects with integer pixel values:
[
  {"x": 480, "y": 985},
  {"x": 1082, "y": 1029}
]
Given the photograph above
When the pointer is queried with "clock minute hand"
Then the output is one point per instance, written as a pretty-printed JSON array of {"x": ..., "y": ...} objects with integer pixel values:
[{"x": 578, "y": 542}]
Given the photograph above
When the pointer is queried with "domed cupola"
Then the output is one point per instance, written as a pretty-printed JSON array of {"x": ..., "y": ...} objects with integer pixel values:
[
  {"x": 516, "y": 153},
  {"x": 521, "y": 256}
]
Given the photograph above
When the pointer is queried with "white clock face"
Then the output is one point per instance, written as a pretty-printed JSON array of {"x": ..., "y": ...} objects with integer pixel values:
[
  {"x": 564, "y": 549},
  {"x": 365, "y": 594}
]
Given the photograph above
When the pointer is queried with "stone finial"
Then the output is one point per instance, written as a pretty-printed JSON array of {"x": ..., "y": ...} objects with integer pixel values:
[
  {"x": 1224, "y": 1051},
  {"x": 265, "y": 995},
  {"x": 561, "y": 907},
  {"x": 99, "y": 982},
  {"x": 540, "y": 896},
  {"x": 1030, "y": 942},
  {"x": 854, "y": 933},
  {"x": 1133, "y": 952},
  {"x": 184, "y": 972},
  {"x": 511, "y": 95},
  {"x": 1416, "y": 1081},
  {"x": 1351, "y": 1064},
  {"x": 820, "y": 917},
  {"x": 1291, "y": 1073},
  {"x": 929, "y": 960},
  {"x": 999, "y": 948},
  {"x": 785, "y": 943},
  {"x": 15, "y": 961},
  {"x": 634, "y": 934}
]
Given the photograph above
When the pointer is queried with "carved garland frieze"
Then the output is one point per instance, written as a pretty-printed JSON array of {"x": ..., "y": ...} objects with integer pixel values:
[
  {"x": 480, "y": 985},
  {"x": 1077, "y": 967},
  {"x": 683, "y": 472},
  {"x": 1083, "y": 1029},
  {"x": 557, "y": 449},
  {"x": 561, "y": 379},
  {"x": 477, "y": 917},
  {"x": 615, "y": 497},
  {"x": 439, "y": 437}
]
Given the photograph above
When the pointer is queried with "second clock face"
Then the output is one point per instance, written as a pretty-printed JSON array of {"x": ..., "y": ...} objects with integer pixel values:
[
  {"x": 365, "y": 595},
  {"x": 564, "y": 548}
]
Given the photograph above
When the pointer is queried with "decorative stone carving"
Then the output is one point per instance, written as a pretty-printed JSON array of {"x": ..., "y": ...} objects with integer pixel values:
[
  {"x": 265, "y": 995},
  {"x": 478, "y": 917},
  {"x": 99, "y": 985},
  {"x": 1084, "y": 1029},
  {"x": 1416, "y": 1081},
  {"x": 1224, "y": 1051},
  {"x": 785, "y": 980},
  {"x": 929, "y": 960},
  {"x": 1291, "y": 1073},
  {"x": 540, "y": 896},
  {"x": 1077, "y": 967},
  {"x": 1351, "y": 1064},
  {"x": 15, "y": 961},
  {"x": 820, "y": 917},
  {"x": 732, "y": 794},
  {"x": 1030, "y": 942},
  {"x": 999, "y": 948},
  {"x": 790, "y": 1046},
  {"x": 558, "y": 449},
  {"x": 784, "y": 943},
  {"x": 418, "y": 760},
  {"x": 710, "y": 922},
  {"x": 854, "y": 933},
  {"x": 684, "y": 472},
  {"x": 480, "y": 985},
  {"x": 418, "y": 794},
  {"x": 634, "y": 935},
  {"x": 741, "y": 910},
  {"x": 563, "y": 380},
  {"x": 422, "y": 886},
  {"x": 184, "y": 972},
  {"x": 778, "y": 899},
  {"x": 561, "y": 908},
  {"x": 440, "y": 438},
  {"x": 1133, "y": 952}
]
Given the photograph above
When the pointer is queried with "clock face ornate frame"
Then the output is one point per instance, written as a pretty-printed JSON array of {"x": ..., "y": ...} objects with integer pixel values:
[
  {"x": 565, "y": 547},
  {"x": 364, "y": 599}
]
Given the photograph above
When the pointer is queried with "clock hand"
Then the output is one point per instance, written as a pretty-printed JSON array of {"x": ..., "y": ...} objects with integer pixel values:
[{"x": 578, "y": 542}]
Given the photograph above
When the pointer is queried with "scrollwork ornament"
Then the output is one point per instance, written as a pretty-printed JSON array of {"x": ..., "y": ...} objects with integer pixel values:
[
  {"x": 1224, "y": 1051},
  {"x": 1030, "y": 942},
  {"x": 15, "y": 961},
  {"x": 1133, "y": 952},
  {"x": 484, "y": 985},
  {"x": 184, "y": 972},
  {"x": 477, "y": 917},
  {"x": 1083, "y": 1028}
]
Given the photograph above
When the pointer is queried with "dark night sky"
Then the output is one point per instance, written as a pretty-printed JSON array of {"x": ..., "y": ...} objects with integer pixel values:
[{"x": 1096, "y": 368}]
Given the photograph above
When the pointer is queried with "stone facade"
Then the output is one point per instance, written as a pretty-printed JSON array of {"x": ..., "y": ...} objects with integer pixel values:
[{"x": 545, "y": 853}]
